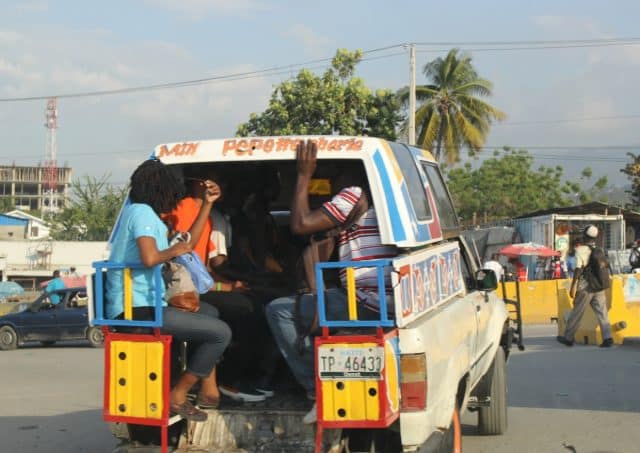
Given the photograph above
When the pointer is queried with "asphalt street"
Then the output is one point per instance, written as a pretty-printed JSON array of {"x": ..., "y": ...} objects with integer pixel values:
[{"x": 581, "y": 399}]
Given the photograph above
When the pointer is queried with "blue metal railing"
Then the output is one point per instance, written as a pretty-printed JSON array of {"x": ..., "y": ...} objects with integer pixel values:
[
  {"x": 98, "y": 295},
  {"x": 379, "y": 264}
]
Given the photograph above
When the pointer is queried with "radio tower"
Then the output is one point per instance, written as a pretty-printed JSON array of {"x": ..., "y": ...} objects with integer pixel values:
[{"x": 51, "y": 166}]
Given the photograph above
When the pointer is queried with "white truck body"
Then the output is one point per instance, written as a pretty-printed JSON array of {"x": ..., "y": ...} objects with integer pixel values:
[{"x": 438, "y": 312}]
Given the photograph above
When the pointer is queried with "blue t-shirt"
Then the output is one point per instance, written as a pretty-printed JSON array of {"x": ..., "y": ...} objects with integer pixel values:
[
  {"x": 137, "y": 220},
  {"x": 53, "y": 285}
]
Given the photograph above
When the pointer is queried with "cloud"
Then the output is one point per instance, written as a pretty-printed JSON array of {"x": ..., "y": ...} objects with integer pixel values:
[
  {"x": 568, "y": 24},
  {"x": 9, "y": 37},
  {"x": 122, "y": 128},
  {"x": 313, "y": 43},
  {"x": 34, "y": 6},
  {"x": 198, "y": 9}
]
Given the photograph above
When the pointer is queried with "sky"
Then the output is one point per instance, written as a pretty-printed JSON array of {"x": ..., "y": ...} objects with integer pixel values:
[{"x": 574, "y": 107}]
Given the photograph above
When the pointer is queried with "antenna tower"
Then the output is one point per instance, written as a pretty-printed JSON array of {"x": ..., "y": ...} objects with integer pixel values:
[{"x": 51, "y": 166}]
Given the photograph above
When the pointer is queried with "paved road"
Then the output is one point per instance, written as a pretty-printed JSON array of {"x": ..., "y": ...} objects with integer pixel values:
[{"x": 583, "y": 397}]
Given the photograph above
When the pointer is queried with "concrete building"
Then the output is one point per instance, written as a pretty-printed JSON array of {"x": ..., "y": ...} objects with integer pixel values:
[
  {"x": 31, "y": 262},
  {"x": 27, "y": 187}
]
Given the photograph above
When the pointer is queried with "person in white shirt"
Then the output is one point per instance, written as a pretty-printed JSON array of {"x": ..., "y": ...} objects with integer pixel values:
[{"x": 494, "y": 265}]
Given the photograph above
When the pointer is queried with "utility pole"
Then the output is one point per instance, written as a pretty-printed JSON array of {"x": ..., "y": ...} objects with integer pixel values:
[{"x": 412, "y": 94}]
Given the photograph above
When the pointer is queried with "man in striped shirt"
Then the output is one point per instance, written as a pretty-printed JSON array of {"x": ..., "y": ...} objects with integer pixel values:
[{"x": 359, "y": 243}]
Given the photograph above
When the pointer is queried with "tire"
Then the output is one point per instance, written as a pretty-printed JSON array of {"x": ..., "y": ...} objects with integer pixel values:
[
  {"x": 95, "y": 337},
  {"x": 448, "y": 442},
  {"x": 47, "y": 343},
  {"x": 8, "y": 338},
  {"x": 492, "y": 419}
]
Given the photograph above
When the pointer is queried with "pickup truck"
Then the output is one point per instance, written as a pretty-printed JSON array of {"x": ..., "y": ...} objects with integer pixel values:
[{"x": 445, "y": 340}]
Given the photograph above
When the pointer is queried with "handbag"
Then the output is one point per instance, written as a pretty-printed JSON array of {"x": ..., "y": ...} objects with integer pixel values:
[
  {"x": 193, "y": 264},
  {"x": 180, "y": 291}
]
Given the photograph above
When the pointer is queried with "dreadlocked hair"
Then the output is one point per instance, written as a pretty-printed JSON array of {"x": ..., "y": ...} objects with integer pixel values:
[{"x": 152, "y": 183}]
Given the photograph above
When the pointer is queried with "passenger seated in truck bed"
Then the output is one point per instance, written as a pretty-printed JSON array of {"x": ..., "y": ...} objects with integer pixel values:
[{"x": 358, "y": 244}]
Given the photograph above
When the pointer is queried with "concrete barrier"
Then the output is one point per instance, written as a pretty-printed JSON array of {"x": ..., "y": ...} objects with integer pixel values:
[
  {"x": 538, "y": 299},
  {"x": 623, "y": 316}
]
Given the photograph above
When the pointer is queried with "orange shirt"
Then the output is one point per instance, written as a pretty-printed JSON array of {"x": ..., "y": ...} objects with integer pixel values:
[{"x": 182, "y": 218}]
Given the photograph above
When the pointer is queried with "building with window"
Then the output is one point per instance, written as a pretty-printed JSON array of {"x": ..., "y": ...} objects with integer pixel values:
[{"x": 28, "y": 188}]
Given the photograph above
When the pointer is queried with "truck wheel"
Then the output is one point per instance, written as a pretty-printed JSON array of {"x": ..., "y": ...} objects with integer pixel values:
[
  {"x": 95, "y": 337},
  {"x": 8, "y": 338},
  {"x": 492, "y": 419},
  {"x": 448, "y": 442}
]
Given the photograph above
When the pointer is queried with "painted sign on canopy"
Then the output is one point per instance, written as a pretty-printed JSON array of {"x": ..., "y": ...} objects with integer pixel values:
[{"x": 425, "y": 280}]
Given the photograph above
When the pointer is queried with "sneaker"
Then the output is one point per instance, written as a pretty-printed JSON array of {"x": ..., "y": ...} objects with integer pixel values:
[
  {"x": 264, "y": 386},
  {"x": 564, "y": 341},
  {"x": 607, "y": 343},
  {"x": 311, "y": 416},
  {"x": 265, "y": 390},
  {"x": 242, "y": 393}
]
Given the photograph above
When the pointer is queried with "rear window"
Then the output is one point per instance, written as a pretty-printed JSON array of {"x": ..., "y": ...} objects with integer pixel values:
[
  {"x": 407, "y": 163},
  {"x": 446, "y": 212}
]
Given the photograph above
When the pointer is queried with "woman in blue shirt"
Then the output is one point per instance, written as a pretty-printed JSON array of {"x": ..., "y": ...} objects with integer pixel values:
[{"x": 141, "y": 236}]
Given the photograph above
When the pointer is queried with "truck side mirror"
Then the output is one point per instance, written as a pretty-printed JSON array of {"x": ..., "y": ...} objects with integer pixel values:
[{"x": 486, "y": 280}]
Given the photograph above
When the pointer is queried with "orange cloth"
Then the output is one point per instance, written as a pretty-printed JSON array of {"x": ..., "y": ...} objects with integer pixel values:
[
  {"x": 182, "y": 219},
  {"x": 521, "y": 271}
]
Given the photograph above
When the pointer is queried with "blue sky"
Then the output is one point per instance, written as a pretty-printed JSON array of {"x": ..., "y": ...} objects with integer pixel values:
[{"x": 54, "y": 47}]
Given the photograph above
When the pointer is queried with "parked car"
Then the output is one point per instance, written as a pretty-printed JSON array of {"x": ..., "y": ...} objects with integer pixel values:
[{"x": 48, "y": 323}]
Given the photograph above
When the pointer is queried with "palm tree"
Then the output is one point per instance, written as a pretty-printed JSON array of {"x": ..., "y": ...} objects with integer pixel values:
[{"x": 450, "y": 113}]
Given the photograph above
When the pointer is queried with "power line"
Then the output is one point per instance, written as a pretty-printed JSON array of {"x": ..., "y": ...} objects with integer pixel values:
[
  {"x": 528, "y": 42},
  {"x": 276, "y": 70},
  {"x": 569, "y": 120}
]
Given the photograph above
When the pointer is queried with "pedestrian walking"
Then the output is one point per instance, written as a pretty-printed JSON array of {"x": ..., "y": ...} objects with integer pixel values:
[{"x": 591, "y": 278}]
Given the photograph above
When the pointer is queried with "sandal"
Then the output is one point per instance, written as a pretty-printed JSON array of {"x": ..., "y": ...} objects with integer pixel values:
[
  {"x": 204, "y": 402},
  {"x": 188, "y": 411}
]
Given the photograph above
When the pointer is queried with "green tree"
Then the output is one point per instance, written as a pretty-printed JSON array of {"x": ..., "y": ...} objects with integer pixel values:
[
  {"x": 583, "y": 194},
  {"x": 506, "y": 185},
  {"x": 92, "y": 211},
  {"x": 632, "y": 170},
  {"x": 335, "y": 103},
  {"x": 451, "y": 113},
  {"x": 7, "y": 204}
]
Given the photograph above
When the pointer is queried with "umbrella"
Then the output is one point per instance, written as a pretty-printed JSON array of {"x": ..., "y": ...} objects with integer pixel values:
[{"x": 527, "y": 249}]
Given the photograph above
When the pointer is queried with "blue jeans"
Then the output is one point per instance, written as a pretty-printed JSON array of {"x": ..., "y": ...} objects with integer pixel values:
[
  {"x": 281, "y": 318},
  {"x": 207, "y": 336}
]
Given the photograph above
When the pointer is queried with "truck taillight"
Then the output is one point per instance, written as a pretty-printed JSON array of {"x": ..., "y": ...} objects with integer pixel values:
[{"x": 413, "y": 382}]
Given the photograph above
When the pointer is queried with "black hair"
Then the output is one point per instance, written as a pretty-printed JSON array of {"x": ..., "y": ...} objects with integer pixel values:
[
  {"x": 152, "y": 183},
  {"x": 56, "y": 273}
]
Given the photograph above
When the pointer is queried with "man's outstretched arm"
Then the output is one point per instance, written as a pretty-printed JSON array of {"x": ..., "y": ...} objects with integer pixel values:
[{"x": 303, "y": 219}]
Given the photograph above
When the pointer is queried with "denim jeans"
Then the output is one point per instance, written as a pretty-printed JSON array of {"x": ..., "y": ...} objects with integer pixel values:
[
  {"x": 207, "y": 336},
  {"x": 281, "y": 318}
]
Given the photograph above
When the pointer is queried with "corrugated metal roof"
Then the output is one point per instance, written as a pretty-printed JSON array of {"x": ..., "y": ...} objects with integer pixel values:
[
  {"x": 11, "y": 220},
  {"x": 593, "y": 207}
]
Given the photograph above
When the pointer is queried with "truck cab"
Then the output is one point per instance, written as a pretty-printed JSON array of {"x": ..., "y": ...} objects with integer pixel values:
[{"x": 438, "y": 350}]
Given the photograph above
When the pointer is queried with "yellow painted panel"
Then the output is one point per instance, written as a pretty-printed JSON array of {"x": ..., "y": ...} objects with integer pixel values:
[
  {"x": 136, "y": 379},
  {"x": 391, "y": 374},
  {"x": 357, "y": 400}
]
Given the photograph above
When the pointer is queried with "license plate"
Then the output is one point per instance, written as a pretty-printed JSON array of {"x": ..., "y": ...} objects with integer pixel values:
[{"x": 350, "y": 362}]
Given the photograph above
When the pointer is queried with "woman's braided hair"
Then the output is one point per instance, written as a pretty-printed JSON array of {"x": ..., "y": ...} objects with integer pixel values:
[{"x": 152, "y": 183}]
